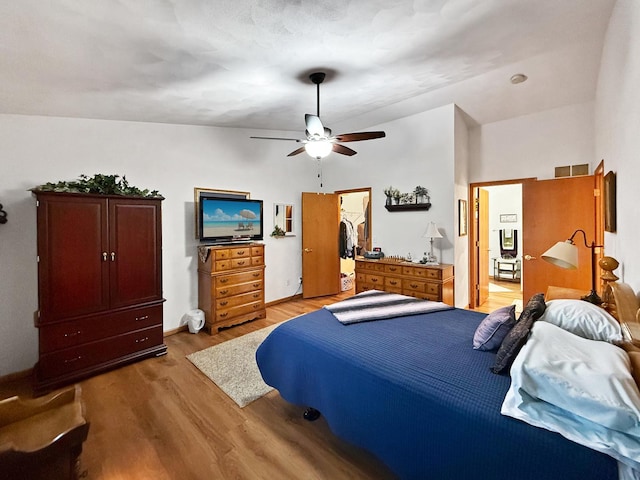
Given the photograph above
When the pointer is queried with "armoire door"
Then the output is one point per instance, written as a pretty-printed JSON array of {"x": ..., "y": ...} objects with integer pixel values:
[
  {"x": 135, "y": 256},
  {"x": 73, "y": 269}
]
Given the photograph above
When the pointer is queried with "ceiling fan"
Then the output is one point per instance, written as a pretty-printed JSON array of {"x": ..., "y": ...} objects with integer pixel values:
[{"x": 320, "y": 142}]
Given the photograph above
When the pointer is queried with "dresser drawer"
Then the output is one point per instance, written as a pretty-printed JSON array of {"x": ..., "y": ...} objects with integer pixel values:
[
  {"x": 95, "y": 353},
  {"x": 76, "y": 332},
  {"x": 257, "y": 251},
  {"x": 435, "y": 274},
  {"x": 242, "y": 262},
  {"x": 222, "y": 254},
  {"x": 393, "y": 269},
  {"x": 413, "y": 285},
  {"x": 433, "y": 289},
  {"x": 242, "y": 299},
  {"x": 237, "y": 289},
  {"x": 228, "y": 313},
  {"x": 221, "y": 265},
  {"x": 235, "y": 278},
  {"x": 377, "y": 280},
  {"x": 393, "y": 282},
  {"x": 240, "y": 252},
  {"x": 257, "y": 261}
]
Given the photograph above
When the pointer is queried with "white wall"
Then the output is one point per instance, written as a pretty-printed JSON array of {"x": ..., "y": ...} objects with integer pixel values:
[
  {"x": 418, "y": 150},
  {"x": 533, "y": 145},
  {"x": 618, "y": 132},
  {"x": 170, "y": 158}
]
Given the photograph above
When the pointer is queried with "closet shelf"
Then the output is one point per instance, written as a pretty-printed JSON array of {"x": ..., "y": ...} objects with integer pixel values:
[{"x": 408, "y": 207}]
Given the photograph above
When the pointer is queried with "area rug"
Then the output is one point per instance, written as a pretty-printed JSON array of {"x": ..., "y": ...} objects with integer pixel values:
[{"x": 232, "y": 366}]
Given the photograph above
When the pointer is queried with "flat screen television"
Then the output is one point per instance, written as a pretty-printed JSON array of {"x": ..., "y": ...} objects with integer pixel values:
[{"x": 227, "y": 220}]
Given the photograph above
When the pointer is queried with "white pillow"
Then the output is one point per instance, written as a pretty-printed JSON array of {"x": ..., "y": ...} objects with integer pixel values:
[
  {"x": 587, "y": 378},
  {"x": 584, "y": 319}
]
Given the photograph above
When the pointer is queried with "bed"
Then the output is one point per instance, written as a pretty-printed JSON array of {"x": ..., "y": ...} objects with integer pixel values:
[{"x": 412, "y": 391}]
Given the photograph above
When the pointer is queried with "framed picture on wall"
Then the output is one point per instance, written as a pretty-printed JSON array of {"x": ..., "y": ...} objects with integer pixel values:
[
  {"x": 610, "y": 202},
  {"x": 462, "y": 218}
]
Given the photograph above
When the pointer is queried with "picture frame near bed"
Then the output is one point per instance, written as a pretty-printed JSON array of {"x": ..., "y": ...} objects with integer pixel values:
[
  {"x": 462, "y": 218},
  {"x": 610, "y": 202},
  {"x": 197, "y": 191}
]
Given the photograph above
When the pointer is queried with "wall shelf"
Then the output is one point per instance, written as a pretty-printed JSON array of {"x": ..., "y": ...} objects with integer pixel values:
[{"x": 408, "y": 207}]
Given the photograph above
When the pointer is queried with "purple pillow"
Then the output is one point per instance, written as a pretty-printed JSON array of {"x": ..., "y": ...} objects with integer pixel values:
[{"x": 495, "y": 326}]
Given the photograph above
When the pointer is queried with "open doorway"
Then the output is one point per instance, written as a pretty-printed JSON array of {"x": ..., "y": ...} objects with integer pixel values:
[
  {"x": 355, "y": 231},
  {"x": 497, "y": 233}
]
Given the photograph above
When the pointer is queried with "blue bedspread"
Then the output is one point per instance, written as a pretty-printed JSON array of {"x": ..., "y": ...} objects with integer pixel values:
[{"x": 415, "y": 393}]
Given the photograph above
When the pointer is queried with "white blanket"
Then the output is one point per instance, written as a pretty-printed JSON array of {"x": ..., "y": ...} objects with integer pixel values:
[{"x": 377, "y": 305}]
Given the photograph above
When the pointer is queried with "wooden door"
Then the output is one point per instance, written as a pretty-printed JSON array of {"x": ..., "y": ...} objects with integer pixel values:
[
  {"x": 552, "y": 211},
  {"x": 320, "y": 255},
  {"x": 135, "y": 255},
  {"x": 73, "y": 274},
  {"x": 481, "y": 216}
]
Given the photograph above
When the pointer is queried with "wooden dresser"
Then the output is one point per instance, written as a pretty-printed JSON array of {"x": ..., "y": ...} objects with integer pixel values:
[
  {"x": 430, "y": 282},
  {"x": 231, "y": 284},
  {"x": 99, "y": 284}
]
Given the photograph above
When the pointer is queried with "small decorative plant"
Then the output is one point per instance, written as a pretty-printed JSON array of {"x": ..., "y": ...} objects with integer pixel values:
[
  {"x": 100, "y": 184},
  {"x": 421, "y": 193},
  {"x": 277, "y": 232}
]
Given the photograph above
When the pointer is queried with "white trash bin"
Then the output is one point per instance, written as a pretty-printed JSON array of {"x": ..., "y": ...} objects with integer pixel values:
[{"x": 194, "y": 320}]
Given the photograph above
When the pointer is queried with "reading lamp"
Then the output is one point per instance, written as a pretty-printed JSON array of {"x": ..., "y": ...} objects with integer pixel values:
[
  {"x": 431, "y": 233},
  {"x": 565, "y": 255}
]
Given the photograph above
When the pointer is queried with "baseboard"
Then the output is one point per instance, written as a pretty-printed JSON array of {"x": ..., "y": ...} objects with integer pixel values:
[{"x": 16, "y": 376}]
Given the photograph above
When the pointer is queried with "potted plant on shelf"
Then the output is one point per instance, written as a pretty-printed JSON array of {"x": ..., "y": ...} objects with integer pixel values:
[
  {"x": 277, "y": 232},
  {"x": 422, "y": 194}
]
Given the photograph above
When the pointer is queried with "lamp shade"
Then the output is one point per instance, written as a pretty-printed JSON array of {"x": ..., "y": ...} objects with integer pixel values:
[
  {"x": 318, "y": 148},
  {"x": 432, "y": 231},
  {"x": 562, "y": 254}
]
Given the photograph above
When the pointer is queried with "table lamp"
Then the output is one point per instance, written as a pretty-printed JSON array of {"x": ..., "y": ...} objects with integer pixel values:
[
  {"x": 565, "y": 255},
  {"x": 431, "y": 233}
]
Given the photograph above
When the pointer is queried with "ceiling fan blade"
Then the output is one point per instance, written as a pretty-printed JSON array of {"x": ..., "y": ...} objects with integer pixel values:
[
  {"x": 296, "y": 152},
  {"x": 356, "y": 137},
  {"x": 314, "y": 125},
  {"x": 343, "y": 150},
  {"x": 278, "y": 138}
]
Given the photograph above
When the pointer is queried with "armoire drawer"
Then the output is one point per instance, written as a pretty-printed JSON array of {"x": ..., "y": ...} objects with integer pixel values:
[
  {"x": 92, "y": 354},
  {"x": 60, "y": 335}
]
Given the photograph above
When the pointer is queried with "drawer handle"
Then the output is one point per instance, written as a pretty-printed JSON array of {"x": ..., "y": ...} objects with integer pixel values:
[
  {"x": 374, "y": 280},
  {"x": 223, "y": 303},
  {"x": 256, "y": 274},
  {"x": 256, "y": 306},
  {"x": 240, "y": 252},
  {"x": 241, "y": 263},
  {"x": 141, "y": 340},
  {"x": 72, "y": 334},
  {"x": 256, "y": 295},
  {"x": 224, "y": 280},
  {"x": 393, "y": 282},
  {"x": 256, "y": 285},
  {"x": 413, "y": 285},
  {"x": 144, "y": 317},
  {"x": 71, "y": 360},
  {"x": 224, "y": 292},
  {"x": 393, "y": 269},
  {"x": 222, "y": 315}
]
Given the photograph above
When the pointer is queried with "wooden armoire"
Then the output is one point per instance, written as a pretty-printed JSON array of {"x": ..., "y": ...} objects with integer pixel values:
[{"x": 99, "y": 284}]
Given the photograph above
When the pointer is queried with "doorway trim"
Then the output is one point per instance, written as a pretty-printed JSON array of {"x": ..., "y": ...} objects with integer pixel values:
[
  {"x": 473, "y": 232},
  {"x": 366, "y": 190}
]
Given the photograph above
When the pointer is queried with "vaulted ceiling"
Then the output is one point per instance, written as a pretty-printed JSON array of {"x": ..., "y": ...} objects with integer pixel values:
[{"x": 245, "y": 63}]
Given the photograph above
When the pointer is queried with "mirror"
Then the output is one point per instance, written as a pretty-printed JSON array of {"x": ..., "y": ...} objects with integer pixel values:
[{"x": 283, "y": 218}]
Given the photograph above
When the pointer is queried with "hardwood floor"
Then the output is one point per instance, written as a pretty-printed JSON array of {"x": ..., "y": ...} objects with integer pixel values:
[
  {"x": 501, "y": 294},
  {"x": 162, "y": 419}
]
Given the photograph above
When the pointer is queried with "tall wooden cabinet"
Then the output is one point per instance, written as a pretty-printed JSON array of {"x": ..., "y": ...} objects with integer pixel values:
[
  {"x": 99, "y": 284},
  {"x": 231, "y": 284}
]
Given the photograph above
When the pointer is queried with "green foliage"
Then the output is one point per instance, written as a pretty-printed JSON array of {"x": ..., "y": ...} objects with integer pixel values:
[
  {"x": 277, "y": 232},
  {"x": 99, "y": 184}
]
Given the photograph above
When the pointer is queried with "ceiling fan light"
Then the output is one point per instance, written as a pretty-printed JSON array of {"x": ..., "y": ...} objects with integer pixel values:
[{"x": 318, "y": 148}]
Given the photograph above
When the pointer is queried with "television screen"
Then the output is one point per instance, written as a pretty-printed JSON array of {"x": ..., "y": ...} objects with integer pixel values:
[{"x": 225, "y": 219}]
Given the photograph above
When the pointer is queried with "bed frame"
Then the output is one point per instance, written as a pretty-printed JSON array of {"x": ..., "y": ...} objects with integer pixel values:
[{"x": 621, "y": 301}]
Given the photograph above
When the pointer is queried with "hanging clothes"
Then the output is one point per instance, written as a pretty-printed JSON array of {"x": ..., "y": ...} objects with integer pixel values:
[{"x": 348, "y": 239}]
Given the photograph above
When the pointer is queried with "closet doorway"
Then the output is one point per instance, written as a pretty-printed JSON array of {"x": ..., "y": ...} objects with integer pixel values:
[{"x": 355, "y": 231}]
